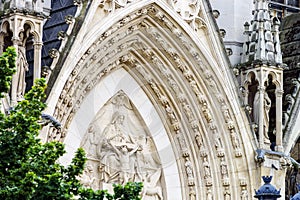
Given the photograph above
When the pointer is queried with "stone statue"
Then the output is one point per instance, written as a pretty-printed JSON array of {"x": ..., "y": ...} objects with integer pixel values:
[
  {"x": 206, "y": 168},
  {"x": 227, "y": 196},
  {"x": 224, "y": 170},
  {"x": 126, "y": 167},
  {"x": 189, "y": 171},
  {"x": 188, "y": 111},
  {"x": 244, "y": 195},
  {"x": 199, "y": 140},
  {"x": 22, "y": 67},
  {"x": 116, "y": 131},
  {"x": 36, "y": 5},
  {"x": 150, "y": 188},
  {"x": 209, "y": 195},
  {"x": 192, "y": 194},
  {"x": 90, "y": 142},
  {"x": 256, "y": 113},
  {"x": 114, "y": 136},
  {"x": 86, "y": 178}
]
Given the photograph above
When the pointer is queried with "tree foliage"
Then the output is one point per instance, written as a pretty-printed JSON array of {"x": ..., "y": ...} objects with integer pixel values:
[
  {"x": 7, "y": 69},
  {"x": 29, "y": 169}
]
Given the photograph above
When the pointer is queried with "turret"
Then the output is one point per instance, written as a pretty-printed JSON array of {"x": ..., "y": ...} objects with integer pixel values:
[
  {"x": 21, "y": 26},
  {"x": 262, "y": 76}
]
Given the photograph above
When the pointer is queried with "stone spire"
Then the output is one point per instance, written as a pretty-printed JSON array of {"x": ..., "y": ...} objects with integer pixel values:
[
  {"x": 21, "y": 26},
  {"x": 262, "y": 37},
  {"x": 262, "y": 76}
]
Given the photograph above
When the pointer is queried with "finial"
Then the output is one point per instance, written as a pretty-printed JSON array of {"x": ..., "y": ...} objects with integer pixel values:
[
  {"x": 262, "y": 37},
  {"x": 267, "y": 179}
]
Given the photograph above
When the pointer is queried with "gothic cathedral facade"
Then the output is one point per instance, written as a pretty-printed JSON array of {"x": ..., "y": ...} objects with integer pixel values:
[{"x": 154, "y": 91}]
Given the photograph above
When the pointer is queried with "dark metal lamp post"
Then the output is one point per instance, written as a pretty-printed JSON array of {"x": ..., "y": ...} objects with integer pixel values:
[
  {"x": 267, "y": 191},
  {"x": 297, "y": 196}
]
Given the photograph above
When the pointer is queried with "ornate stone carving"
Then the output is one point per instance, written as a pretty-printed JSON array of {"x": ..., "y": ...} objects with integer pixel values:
[
  {"x": 257, "y": 111},
  {"x": 111, "y": 5},
  {"x": 235, "y": 143},
  {"x": 150, "y": 188},
  {"x": 224, "y": 170},
  {"x": 199, "y": 140},
  {"x": 103, "y": 51},
  {"x": 207, "y": 173},
  {"x": 189, "y": 172},
  {"x": 69, "y": 19},
  {"x": 22, "y": 67},
  {"x": 209, "y": 195},
  {"x": 61, "y": 35},
  {"x": 192, "y": 194},
  {"x": 18, "y": 84},
  {"x": 227, "y": 195},
  {"x": 289, "y": 102},
  {"x": 21, "y": 5},
  {"x": 53, "y": 53},
  {"x": 188, "y": 111},
  {"x": 123, "y": 151},
  {"x": 244, "y": 195},
  {"x": 86, "y": 178},
  {"x": 172, "y": 117},
  {"x": 207, "y": 113},
  {"x": 225, "y": 112},
  {"x": 189, "y": 11},
  {"x": 182, "y": 144}
]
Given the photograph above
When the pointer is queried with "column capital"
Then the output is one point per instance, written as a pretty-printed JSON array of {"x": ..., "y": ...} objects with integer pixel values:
[
  {"x": 279, "y": 92},
  {"x": 38, "y": 44},
  {"x": 261, "y": 88},
  {"x": 15, "y": 40}
]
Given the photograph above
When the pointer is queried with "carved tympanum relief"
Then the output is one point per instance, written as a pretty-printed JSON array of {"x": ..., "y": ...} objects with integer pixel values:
[{"x": 119, "y": 149}]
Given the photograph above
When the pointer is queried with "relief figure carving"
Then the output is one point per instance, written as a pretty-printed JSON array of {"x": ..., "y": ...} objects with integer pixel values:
[
  {"x": 244, "y": 195},
  {"x": 86, "y": 178},
  {"x": 115, "y": 151},
  {"x": 224, "y": 170},
  {"x": 189, "y": 171},
  {"x": 123, "y": 150},
  {"x": 124, "y": 156},
  {"x": 206, "y": 166}
]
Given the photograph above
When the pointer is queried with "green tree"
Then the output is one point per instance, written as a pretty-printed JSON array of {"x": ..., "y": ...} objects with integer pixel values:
[
  {"x": 7, "y": 69},
  {"x": 28, "y": 167}
]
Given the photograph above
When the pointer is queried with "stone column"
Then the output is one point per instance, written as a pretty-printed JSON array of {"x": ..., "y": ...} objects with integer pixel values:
[
  {"x": 1, "y": 43},
  {"x": 37, "y": 60},
  {"x": 279, "y": 93},
  {"x": 261, "y": 90},
  {"x": 246, "y": 93}
]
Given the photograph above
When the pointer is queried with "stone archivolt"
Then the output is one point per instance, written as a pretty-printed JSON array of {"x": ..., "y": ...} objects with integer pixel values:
[
  {"x": 161, "y": 59},
  {"x": 190, "y": 11}
]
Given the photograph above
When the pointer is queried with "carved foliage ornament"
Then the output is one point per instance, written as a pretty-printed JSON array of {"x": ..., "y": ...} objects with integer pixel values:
[{"x": 188, "y": 9}]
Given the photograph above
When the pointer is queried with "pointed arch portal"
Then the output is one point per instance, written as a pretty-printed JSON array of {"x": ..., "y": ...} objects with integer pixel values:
[{"x": 180, "y": 89}]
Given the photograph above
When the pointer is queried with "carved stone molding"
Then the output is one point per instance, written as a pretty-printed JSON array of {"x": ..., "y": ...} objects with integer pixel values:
[
  {"x": 122, "y": 46},
  {"x": 190, "y": 12}
]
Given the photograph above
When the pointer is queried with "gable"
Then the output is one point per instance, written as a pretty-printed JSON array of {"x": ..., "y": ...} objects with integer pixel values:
[{"x": 158, "y": 58}]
